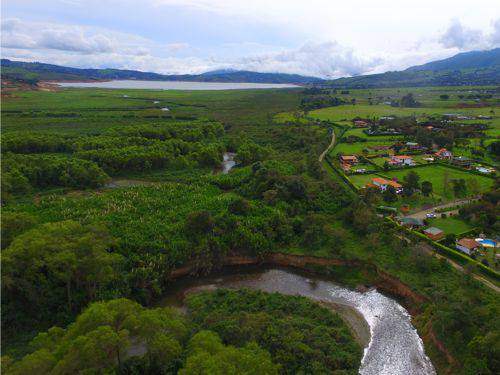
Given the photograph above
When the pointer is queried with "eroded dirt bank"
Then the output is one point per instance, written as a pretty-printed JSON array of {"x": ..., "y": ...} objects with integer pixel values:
[{"x": 384, "y": 282}]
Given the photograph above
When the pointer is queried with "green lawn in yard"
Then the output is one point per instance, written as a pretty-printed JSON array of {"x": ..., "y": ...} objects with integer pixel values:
[
  {"x": 437, "y": 174},
  {"x": 360, "y": 180},
  {"x": 358, "y": 147},
  {"x": 366, "y": 166},
  {"x": 452, "y": 224},
  {"x": 380, "y": 161}
]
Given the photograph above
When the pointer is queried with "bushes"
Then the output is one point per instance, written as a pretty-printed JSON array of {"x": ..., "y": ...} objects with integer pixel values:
[
  {"x": 26, "y": 143},
  {"x": 25, "y": 171}
]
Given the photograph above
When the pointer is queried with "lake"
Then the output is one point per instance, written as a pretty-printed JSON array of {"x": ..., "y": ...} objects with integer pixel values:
[{"x": 175, "y": 85}]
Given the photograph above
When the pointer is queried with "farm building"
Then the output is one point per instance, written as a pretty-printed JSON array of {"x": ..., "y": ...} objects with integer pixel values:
[
  {"x": 434, "y": 233},
  {"x": 467, "y": 245}
]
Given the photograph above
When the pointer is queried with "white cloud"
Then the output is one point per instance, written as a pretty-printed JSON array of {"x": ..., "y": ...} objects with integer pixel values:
[
  {"x": 465, "y": 38},
  {"x": 18, "y": 34},
  {"x": 328, "y": 59}
]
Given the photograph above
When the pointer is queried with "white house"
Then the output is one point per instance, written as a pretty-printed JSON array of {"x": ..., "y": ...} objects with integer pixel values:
[
  {"x": 467, "y": 245},
  {"x": 382, "y": 184},
  {"x": 401, "y": 160}
]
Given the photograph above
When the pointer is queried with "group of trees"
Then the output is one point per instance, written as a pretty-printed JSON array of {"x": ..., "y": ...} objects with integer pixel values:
[
  {"x": 301, "y": 336},
  {"x": 85, "y": 161},
  {"x": 312, "y": 102},
  {"x": 53, "y": 270},
  {"x": 484, "y": 212},
  {"x": 174, "y": 154},
  {"x": 21, "y": 173},
  {"x": 225, "y": 332}
]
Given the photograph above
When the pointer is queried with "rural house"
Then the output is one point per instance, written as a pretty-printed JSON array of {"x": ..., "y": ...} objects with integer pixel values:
[
  {"x": 461, "y": 161},
  {"x": 467, "y": 245},
  {"x": 443, "y": 154},
  {"x": 382, "y": 184},
  {"x": 400, "y": 160},
  {"x": 360, "y": 124},
  {"x": 348, "y": 159},
  {"x": 411, "y": 222},
  {"x": 434, "y": 233}
]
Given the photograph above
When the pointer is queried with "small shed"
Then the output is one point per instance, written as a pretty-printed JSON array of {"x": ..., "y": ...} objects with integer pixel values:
[{"x": 434, "y": 233}]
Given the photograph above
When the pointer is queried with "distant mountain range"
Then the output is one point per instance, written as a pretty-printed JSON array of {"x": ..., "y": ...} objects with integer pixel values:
[
  {"x": 34, "y": 72},
  {"x": 469, "y": 68}
]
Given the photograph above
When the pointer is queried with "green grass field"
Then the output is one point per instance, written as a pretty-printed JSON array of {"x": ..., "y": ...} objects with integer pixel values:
[
  {"x": 451, "y": 224},
  {"x": 438, "y": 174}
]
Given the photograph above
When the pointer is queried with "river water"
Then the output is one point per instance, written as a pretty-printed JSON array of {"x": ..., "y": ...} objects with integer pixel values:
[
  {"x": 175, "y": 85},
  {"x": 392, "y": 345},
  {"x": 228, "y": 162}
]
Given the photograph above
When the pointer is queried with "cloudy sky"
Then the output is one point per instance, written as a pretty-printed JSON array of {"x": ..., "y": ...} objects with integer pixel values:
[{"x": 323, "y": 38}]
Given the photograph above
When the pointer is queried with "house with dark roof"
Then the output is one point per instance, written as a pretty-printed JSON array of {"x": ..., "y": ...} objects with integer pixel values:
[{"x": 411, "y": 222}]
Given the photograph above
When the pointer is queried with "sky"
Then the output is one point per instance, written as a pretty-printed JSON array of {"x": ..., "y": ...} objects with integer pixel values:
[{"x": 324, "y": 38}]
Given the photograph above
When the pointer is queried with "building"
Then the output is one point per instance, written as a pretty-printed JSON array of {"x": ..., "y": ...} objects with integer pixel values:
[
  {"x": 467, "y": 245},
  {"x": 412, "y": 146},
  {"x": 348, "y": 159},
  {"x": 411, "y": 222},
  {"x": 444, "y": 154},
  {"x": 360, "y": 124},
  {"x": 382, "y": 184},
  {"x": 345, "y": 167},
  {"x": 461, "y": 161},
  {"x": 400, "y": 160},
  {"x": 434, "y": 233}
]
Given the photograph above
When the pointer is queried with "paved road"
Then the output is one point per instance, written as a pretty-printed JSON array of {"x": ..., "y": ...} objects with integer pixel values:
[
  {"x": 422, "y": 213},
  {"x": 332, "y": 143}
]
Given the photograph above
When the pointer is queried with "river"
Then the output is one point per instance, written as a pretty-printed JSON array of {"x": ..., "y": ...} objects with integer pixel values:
[
  {"x": 228, "y": 162},
  {"x": 174, "y": 85},
  {"x": 379, "y": 323}
]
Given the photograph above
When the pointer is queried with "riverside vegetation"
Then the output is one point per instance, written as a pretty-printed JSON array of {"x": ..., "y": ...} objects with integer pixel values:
[{"x": 82, "y": 254}]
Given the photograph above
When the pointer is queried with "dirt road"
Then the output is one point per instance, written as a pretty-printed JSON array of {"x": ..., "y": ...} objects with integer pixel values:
[{"x": 332, "y": 143}]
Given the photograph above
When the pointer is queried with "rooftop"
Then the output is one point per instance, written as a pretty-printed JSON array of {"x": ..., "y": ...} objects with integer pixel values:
[
  {"x": 433, "y": 230},
  {"x": 468, "y": 243}
]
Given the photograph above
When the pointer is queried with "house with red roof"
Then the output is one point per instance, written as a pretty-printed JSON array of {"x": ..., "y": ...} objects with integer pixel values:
[
  {"x": 348, "y": 159},
  {"x": 443, "y": 154},
  {"x": 382, "y": 184},
  {"x": 467, "y": 245}
]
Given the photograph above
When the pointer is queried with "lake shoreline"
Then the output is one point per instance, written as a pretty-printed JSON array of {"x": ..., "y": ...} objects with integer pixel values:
[{"x": 170, "y": 85}]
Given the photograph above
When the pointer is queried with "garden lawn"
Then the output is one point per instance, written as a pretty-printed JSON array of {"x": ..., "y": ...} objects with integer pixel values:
[
  {"x": 437, "y": 174},
  {"x": 360, "y": 180},
  {"x": 451, "y": 224}
]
